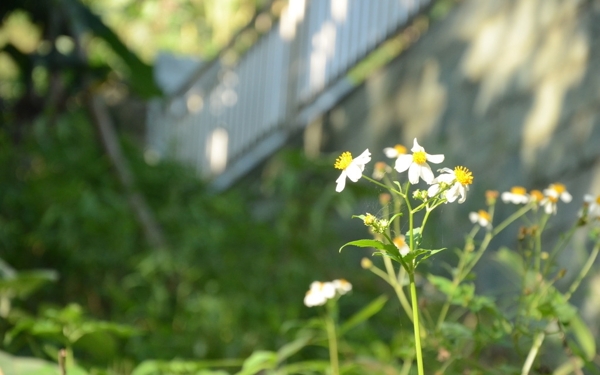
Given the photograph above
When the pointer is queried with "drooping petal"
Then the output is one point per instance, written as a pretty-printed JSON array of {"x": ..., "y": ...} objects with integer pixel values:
[
  {"x": 435, "y": 159},
  {"x": 433, "y": 190},
  {"x": 413, "y": 173},
  {"x": 462, "y": 190},
  {"x": 341, "y": 182},
  {"x": 426, "y": 173},
  {"x": 452, "y": 193},
  {"x": 403, "y": 162}
]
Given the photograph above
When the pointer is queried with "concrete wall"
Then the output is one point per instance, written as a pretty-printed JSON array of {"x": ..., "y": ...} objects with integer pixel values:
[{"x": 509, "y": 89}]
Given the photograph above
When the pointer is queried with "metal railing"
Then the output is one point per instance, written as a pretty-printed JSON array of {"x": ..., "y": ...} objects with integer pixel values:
[{"x": 232, "y": 115}]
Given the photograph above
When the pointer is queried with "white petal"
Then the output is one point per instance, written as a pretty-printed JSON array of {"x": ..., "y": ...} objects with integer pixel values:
[
  {"x": 452, "y": 193},
  {"x": 588, "y": 198},
  {"x": 435, "y": 159},
  {"x": 463, "y": 193},
  {"x": 506, "y": 197},
  {"x": 390, "y": 152},
  {"x": 413, "y": 173},
  {"x": 474, "y": 217},
  {"x": 446, "y": 178},
  {"x": 433, "y": 190},
  {"x": 566, "y": 197},
  {"x": 416, "y": 147},
  {"x": 426, "y": 173},
  {"x": 341, "y": 182},
  {"x": 403, "y": 162},
  {"x": 363, "y": 158},
  {"x": 354, "y": 172}
]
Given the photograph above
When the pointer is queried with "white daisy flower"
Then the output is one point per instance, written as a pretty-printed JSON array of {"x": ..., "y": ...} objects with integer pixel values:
[
  {"x": 593, "y": 203},
  {"x": 458, "y": 179},
  {"x": 400, "y": 243},
  {"x": 552, "y": 195},
  {"x": 319, "y": 293},
  {"x": 351, "y": 168},
  {"x": 482, "y": 218},
  {"x": 416, "y": 164},
  {"x": 516, "y": 195},
  {"x": 394, "y": 152}
]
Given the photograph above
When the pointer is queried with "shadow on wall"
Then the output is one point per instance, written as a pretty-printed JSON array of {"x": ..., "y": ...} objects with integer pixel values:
[{"x": 508, "y": 88}]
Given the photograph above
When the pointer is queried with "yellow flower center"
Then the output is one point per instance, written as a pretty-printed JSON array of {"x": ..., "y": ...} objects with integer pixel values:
[
  {"x": 463, "y": 175},
  {"x": 598, "y": 199},
  {"x": 343, "y": 161},
  {"x": 536, "y": 195},
  {"x": 420, "y": 157},
  {"x": 400, "y": 149},
  {"x": 484, "y": 215},
  {"x": 559, "y": 188},
  {"x": 399, "y": 242},
  {"x": 518, "y": 190},
  {"x": 553, "y": 199}
]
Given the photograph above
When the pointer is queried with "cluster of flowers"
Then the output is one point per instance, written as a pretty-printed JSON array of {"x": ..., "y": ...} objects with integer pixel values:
[
  {"x": 457, "y": 180},
  {"x": 320, "y": 292}
]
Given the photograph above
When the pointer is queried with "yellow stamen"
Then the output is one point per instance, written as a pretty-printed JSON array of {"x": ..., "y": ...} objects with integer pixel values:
[
  {"x": 343, "y": 161},
  {"x": 553, "y": 199},
  {"x": 463, "y": 175},
  {"x": 598, "y": 199},
  {"x": 518, "y": 190},
  {"x": 559, "y": 188},
  {"x": 536, "y": 195},
  {"x": 400, "y": 149},
  {"x": 420, "y": 157},
  {"x": 484, "y": 215}
]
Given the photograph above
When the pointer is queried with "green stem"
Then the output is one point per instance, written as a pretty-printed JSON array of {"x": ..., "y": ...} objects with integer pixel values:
[
  {"x": 332, "y": 338},
  {"x": 538, "y": 243},
  {"x": 382, "y": 185},
  {"x": 586, "y": 268},
  {"x": 393, "y": 280},
  {"x": 415, "y": 310},
  {"x": 537, "y": 343}
]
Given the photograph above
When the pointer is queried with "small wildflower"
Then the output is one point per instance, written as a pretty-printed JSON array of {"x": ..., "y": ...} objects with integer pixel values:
[
  {"x": 516, "y": 195},
  {"x": 593, "y": 205},
  {"x": 416, "y": 164},
  {"x": 420, "y": 195},
  {"x": 482, "y": 218},
  {"x": 552, "y": 195},
  {"x": 400, "y": 243},
  {"x": 458, "y": 179},
  {"x": 491, "y": 196},
  {"x": 320, "y": 292},
  {"x": 394, "y": 152},
  {"x": 351, "y": 168},
  {"x": 380, "y": 170}
]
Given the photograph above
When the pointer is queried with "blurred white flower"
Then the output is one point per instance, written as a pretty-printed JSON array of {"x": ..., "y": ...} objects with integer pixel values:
[
  {"x": 320, "y": 292},
  {"x": 394, "y": 152},
  {"x": 482, "y": 218},
  {"x": 400, "y": 243},
  {"x": 516, "y": 195},
  {"x": 552, "y": 195}
]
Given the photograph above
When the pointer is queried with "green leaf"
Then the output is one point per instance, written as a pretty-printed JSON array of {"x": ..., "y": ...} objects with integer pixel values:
[
  {"x": 416, "y": 234},
  {"x": 293, "y": 347},
  {"x": 259, "y": 361},
  {"x": 306, "y": 367},
  {"x": 427, "y": 254},
  {"x": 24, "y": 283},
  {"x": 385, "y": 249},
  {"x": 583, "y": 336},
  {"x": 365, "y": 313}
]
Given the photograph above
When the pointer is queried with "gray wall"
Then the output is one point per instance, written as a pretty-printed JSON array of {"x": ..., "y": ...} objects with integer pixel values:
[{"x": 509, "y": 89}]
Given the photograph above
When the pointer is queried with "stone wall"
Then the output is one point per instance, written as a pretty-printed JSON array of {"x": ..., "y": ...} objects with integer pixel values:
[{"x": 509, "y": 89}]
